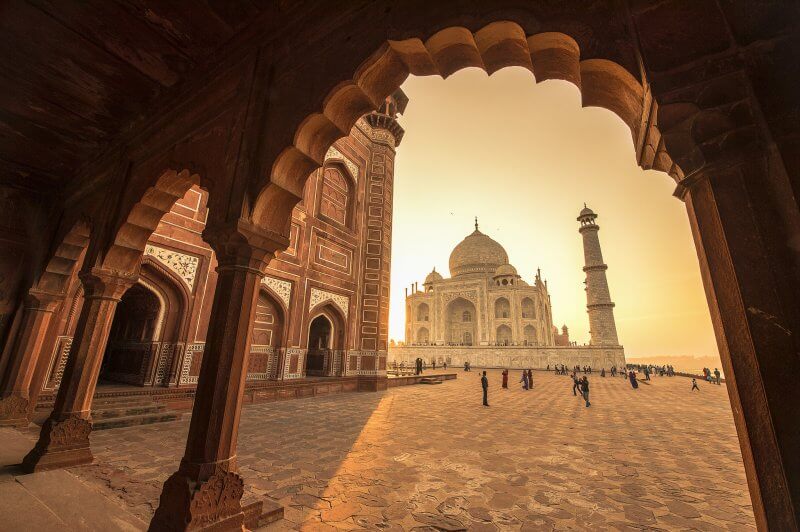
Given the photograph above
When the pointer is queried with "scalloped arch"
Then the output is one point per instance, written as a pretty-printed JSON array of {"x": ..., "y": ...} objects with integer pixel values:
[{"x": 547, "y": 55}]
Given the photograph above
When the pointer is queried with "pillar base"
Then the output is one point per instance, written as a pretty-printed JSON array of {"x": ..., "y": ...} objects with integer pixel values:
[
  {"x": 372, "y": 383},
  {"x": 191, "y": 503},
  {"x": 61, "y": 444},
  {"x": 14, "y": 411}
]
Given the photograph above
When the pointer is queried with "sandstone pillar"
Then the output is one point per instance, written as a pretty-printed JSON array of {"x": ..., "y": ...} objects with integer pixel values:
[
  {"x": 745, "y": 224},
  {"x": 37, "y": 316},
  {"x": 64, "y": 439},
  {"x": 206, "y": 490}
]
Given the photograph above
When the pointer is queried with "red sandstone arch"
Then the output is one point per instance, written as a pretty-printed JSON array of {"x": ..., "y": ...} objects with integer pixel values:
[
  {"x": 128, "y": 242},
  {"x": 61, "y": 265},
  {"x": 548, "y": 55},
  {"x": 176, "y": 295}
]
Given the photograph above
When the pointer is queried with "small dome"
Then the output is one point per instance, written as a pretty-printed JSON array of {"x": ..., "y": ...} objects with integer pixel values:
[
  {"x": 505, "y": 270},
  {"x": 477, "y": 253},
  {"x": 586, "y": 211},
  {"x": 433, "y": 277}
]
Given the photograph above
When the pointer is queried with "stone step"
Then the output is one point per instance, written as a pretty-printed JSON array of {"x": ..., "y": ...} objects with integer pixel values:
[
  {"x": 136, "y": 420},
  {"x": 259, "y": 512},
  {"x": 430, "y": 380},
  {"x": 103, "y": 412}
]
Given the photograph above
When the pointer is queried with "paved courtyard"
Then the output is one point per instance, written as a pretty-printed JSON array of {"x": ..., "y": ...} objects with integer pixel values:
[{"x": 431, "y": 457}]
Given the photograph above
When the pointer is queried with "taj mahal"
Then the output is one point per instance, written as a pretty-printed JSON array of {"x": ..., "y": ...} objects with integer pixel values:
[{"x": 488, "y": 315}]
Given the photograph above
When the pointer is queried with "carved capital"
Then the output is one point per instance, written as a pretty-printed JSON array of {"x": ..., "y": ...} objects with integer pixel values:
[
  {"x": 242, "y": 244},
  {"x": 42, "y": 301},
  {"x": 103, "y": 283}
]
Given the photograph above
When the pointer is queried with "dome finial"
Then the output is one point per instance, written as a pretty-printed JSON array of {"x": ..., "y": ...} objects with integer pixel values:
[{"x": 476, "y": 223}]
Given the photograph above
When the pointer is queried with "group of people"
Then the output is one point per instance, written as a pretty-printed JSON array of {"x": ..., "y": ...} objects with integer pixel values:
[{"x": 717, "y": 376}]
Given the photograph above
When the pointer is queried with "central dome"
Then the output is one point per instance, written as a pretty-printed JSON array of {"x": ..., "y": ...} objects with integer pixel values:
[{"x": 477, "y": 254}]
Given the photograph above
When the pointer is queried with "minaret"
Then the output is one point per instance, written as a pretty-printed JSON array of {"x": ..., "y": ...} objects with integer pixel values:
[{"x": 603, "y": 330}]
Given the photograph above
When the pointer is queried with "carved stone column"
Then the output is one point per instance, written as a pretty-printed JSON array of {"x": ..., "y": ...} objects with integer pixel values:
[
  {"x": 64, "y": 439},
  {"x": 38, "y": 314},
  {"x": 206, "y": 490},
  {"x": 746, "y": 227}
]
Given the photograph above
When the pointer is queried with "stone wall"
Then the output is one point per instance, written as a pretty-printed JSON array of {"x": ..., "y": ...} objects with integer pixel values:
[{"x": 512, "y": 357}]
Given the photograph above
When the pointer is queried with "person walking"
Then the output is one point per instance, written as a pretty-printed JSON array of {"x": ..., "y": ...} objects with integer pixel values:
[
  {"x": 694, "y": 385},
  {"x": 505, "y": 378},
  {"x": 530, "y": 379},
  {"x": 632, "y": 378},
  {"x": 524, "y": 380},
  {"x": 576, "y": 384},
  {"x": 716, "y": 376},
  {"x": 585, "y": 390},
  {"x": 485, "y": 386}
]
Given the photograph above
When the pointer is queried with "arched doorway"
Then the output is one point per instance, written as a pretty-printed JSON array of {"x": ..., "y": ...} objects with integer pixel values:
[
  {"x": 131, "y": 343},
  {"x": 320, "y": 337},
  {"x": 530, "y": 335},
  {"x": 266, "y": 339},
  {"x": 460, "y": 322},
  {"x": 423, "y": 336},
  {"x": 504, "y": 335}
]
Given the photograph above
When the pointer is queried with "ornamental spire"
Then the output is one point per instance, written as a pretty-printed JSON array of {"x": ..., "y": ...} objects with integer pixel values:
[{"x": 476, "y": 223}]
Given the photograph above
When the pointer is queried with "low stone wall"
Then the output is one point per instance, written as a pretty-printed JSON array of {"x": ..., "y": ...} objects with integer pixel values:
[
  {"x": 405, "y": 380},
  {"x": 511, "y": 356}
]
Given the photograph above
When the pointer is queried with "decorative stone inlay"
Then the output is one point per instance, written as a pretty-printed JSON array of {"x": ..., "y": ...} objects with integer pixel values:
[
  {"x": 283, "y": 289},
  {"x": 333, "y": 153},
  {"x": 469, "y": 295},
  {"x": 187, "y": 362},
  {"x": 383, "y": 136},
  {"x": 318, "y": 296},
  {"x": 182, "y": 264}
]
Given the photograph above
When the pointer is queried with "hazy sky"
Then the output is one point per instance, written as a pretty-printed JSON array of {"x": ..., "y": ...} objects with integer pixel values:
[{"x": 523, "y": 158}]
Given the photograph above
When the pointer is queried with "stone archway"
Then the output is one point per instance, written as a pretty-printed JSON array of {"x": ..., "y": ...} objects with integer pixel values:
[
  {"x": 460, "y": 322},
  {"x": 325, "y": 342}
]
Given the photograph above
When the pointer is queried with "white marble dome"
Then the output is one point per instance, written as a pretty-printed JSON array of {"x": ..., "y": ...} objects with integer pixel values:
[
  {"x": 477, "y": 253},
  {"x": 433, "y": 277}
]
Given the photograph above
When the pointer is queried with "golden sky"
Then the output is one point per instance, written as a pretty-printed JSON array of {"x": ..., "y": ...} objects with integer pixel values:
[{"x": 524, "y": 158}]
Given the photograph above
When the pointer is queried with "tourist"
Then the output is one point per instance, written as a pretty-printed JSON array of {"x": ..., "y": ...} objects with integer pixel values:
[
  {"x": 694, "y": 385},
  {"x": 646, "y": 373},
  {"x": 466, "y": 366},
  {"x": 585, "y": 390},
  {"x": 485, "y": 386},
  {"x": 445, "y": 365},
  {"x": 602, "y": 372},
  {"x": 505, "y": 378},
  {"x": 576, "y": 384},
  {"x": 524, "y": 380},
  {"x": 530, "y": 379},
  {"x": 632, "y": 378},
  {"x": 433, "y": 363},
  {"x": 716, "y": 375}
]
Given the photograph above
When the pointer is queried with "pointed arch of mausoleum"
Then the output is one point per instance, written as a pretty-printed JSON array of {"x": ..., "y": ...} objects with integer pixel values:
[{"x": 548, "y": 55}]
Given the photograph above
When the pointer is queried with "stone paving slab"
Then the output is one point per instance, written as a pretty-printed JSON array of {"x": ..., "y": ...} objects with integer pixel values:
[{"x": 432, "y": 458}]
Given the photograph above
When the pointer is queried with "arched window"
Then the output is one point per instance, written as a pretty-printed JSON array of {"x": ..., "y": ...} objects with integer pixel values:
[
  {"x": 466, "y": 316},
  {"x": 423, "y": 336},
  {"x": 467, "y": 338},
  {"x": 423, "y": 312},
  {"x": 528, "y": 309},
  {"x": 337, "y": 196},
  {"x": 502, "y": 308}
]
